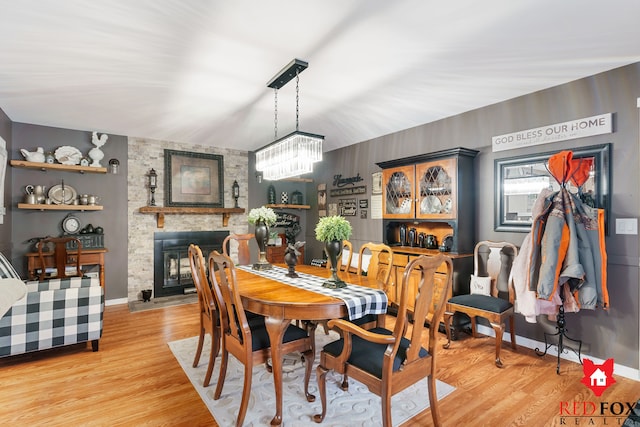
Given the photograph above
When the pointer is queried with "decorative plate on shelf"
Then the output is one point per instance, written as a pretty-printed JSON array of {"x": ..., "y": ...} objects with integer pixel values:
[
  {"x": 68, "y": 155},
  {"x": 62, "y": 194},
  {"x": 430, "y": 205}
]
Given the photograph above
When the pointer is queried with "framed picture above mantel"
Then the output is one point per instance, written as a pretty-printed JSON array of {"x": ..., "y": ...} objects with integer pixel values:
[{"x": 193, "y": 179}]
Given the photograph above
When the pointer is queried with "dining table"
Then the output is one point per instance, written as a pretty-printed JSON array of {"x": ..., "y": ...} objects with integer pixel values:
[{"x": 282, "y": 300}]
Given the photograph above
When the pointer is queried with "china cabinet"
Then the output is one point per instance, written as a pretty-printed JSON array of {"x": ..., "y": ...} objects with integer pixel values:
[
  {"x": 428, "y": 206},
  {"x": 433, "y": 194}
]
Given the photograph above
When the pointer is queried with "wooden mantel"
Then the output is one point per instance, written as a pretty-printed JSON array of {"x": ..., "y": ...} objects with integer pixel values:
[{"x": 162, "y": 211}]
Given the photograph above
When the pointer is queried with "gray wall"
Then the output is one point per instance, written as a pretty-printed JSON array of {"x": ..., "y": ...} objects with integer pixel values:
[
  {"x": 112, "y": 190},
  {"x": 612, "y": 333},
  {"x": 5, "y": 227}
]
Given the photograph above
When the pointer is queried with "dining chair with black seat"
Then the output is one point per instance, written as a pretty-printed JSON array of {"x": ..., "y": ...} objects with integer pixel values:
[
  {"x": 249, "y": 341},
  {"x": 492, "y": 294},
  {"x": 375, "y": 260},
  {"x": 62, "y": 258},
  {"x": 389, "y": 361},
  {"x": 209, "y": 318},
  {"x": 242, "y": 240},
  {"x": 244, "y": 258}
]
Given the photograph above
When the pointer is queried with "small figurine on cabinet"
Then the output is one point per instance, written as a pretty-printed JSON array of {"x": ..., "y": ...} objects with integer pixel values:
[{"x": 291, "y": 257}]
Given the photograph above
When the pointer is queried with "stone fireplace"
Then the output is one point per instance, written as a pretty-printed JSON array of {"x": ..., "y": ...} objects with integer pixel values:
[
  {"x": 144, "y": 154},
  {"x": 171, "y": 270}
]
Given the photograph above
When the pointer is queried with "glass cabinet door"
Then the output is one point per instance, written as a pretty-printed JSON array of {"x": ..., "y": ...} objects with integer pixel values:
[
  {"x": 436, "y": 189},
  {"x": 398, "y": 192}
]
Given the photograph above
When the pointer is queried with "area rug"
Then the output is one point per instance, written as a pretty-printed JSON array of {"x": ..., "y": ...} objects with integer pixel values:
[{"x": 354, "y": 407}]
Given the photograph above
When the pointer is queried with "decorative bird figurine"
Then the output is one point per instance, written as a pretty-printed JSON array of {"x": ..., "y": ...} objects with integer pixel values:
[
  {"x": 291, "y": 257},
  {"x": 99, "y": 142},
  {"x": 33, "y": 156},
  {"x": 95, "y": 153}
]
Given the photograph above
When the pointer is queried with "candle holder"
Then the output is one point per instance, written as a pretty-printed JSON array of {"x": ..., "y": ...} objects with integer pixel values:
[
  {"x": 236, "y": 192},
  {"x": 153, "y": 184}
]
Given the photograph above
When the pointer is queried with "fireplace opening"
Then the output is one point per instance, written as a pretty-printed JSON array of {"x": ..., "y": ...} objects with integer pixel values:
[{"x": 171, "y": 270}]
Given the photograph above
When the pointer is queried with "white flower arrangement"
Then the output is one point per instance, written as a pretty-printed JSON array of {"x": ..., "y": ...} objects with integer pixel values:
[{"x": 267, "y": 215}]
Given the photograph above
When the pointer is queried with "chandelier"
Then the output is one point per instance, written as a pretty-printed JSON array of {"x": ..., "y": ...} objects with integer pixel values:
[{"x": 295, "y": 153}]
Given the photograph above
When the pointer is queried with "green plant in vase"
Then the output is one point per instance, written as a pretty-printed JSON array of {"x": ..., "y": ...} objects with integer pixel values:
[
  {"x": 262, "y": 218},
  {"x": 332, "y": 230}
]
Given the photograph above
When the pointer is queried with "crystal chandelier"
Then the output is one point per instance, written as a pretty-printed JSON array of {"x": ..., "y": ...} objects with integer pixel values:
[{"x": 295, "y": 153}]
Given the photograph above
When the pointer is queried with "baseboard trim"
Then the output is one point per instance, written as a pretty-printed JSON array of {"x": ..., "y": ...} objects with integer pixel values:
[
  {"x": 116, "y": 301},
  {"x": 623, "y": 371}
]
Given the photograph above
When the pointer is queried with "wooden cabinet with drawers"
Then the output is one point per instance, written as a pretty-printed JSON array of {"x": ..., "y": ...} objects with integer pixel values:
[
  {"x": 275, "y": 254},
  {"x": 430, "y": 194}
]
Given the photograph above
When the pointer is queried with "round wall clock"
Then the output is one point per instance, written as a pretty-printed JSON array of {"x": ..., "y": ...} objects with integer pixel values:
[{"x": 71, "y": 224}]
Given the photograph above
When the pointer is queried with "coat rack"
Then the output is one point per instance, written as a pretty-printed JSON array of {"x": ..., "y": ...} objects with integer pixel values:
[{"x": 562, "y": 335}]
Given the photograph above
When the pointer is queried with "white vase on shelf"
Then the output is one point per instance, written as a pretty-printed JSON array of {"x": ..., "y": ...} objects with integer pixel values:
[{"x": 96, "y": 155}]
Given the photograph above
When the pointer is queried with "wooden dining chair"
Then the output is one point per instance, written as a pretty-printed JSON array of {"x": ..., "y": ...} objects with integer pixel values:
[
  {"x": 347, "y": 251},
  {"x": 209, "y": 319},
  {"x": 61, "y": 257},
  {"x": 244, "y": 255},
  {"x": 389, "y": 361},
  {"x": 249, "y": 341},
  {"x": 375, "y": 260},
  {"x": 492, "y": 263}
]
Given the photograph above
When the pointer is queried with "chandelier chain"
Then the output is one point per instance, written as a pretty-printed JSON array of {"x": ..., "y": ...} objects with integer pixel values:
[
  {"x": 275, "y": 119},
  {"x": 297, "y": 98}
]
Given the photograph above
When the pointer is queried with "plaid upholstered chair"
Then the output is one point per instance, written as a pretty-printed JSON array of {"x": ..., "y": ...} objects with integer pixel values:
[{"x": 69, "y": 311}]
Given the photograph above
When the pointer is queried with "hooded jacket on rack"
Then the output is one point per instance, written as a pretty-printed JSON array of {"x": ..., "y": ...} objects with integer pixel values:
[{"x": 567, "y": 240}]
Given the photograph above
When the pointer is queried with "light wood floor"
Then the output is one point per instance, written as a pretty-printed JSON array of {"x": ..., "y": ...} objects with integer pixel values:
[{"x": 134, "y": 380}]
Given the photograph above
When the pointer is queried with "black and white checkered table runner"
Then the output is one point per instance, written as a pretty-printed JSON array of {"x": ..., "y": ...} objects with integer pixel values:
[{"x": 360, "y": 300}]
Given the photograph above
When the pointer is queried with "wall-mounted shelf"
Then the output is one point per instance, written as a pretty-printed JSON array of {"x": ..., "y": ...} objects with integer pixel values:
[
  {"x": 297, "y": 180},
  {"x": 287, "y": 206},
  {"x": 57, "y": 167},
  {"x": 162, "y": 211},
  {"x": 43, "y": 207}
]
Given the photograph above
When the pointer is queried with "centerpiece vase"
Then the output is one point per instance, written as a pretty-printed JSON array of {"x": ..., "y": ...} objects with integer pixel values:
[
  {"x": 334, "y": 249},
  {"x": 262, "y": 237}
]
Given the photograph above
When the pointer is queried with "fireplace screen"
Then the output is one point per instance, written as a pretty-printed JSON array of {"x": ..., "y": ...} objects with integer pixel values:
[
  {"x": 172, "y": 273},
  {"x": 177, "y": 271}
]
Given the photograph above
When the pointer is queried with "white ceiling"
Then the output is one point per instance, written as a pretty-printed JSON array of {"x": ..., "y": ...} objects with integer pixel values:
[{"x": 196, "y": 70}]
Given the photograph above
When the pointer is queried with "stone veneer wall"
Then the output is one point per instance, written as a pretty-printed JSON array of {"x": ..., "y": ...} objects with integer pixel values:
[{"x": 145, "y": 154}]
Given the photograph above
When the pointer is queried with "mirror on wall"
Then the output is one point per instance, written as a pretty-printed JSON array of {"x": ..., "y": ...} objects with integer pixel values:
[{"x": 520, "y": 179}]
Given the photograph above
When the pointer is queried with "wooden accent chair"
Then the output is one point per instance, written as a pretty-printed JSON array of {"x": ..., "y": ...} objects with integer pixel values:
[
  {"x": 385, "y": 360},
  {"x": 209, "y": 319},
  {"x": 380, "y": 258},
  {"x": 244, "y": 256},
  {"x": 342, "y": 266},
  {"x": 62, "y": 259},
  {"x": 247, "y": 340},
  {"x": 497, "y": 306}
]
